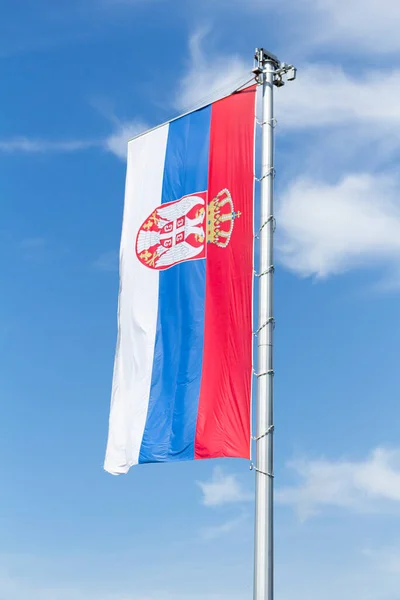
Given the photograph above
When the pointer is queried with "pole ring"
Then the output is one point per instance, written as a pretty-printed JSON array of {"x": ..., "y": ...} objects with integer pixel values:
[
  {"x": 270, "y": 218},
  {"x": 270, "y": 269},
  {"x": 271, "y": 171},
  {"x": 267, "y": 322},
  {"x": 272, "y": 122},
  {"x": 254, "y": 468},
  {"x": 270, "y": 372},
  {"x": 269, "y": 430}
]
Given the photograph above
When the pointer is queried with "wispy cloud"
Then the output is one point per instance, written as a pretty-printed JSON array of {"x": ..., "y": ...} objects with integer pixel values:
[
  {"x": 216, "y": 531},
  {"x": 215, "y": 75},
  {"x": 28, "y": 145},
  {"x": 222, "y": 489},
  {"x": 366, "y": 485},
  {"x": 108, "y": 262},
  {"x": 117, "y": 142}
]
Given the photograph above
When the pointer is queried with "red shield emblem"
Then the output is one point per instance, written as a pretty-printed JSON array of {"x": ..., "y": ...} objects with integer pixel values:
[
  {"x": 173, "y": 233},
  {"x": 179, "y": 230}
]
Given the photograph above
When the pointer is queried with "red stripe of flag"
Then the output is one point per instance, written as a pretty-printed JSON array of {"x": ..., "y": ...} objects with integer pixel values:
[{"x": 223, "y": 423}]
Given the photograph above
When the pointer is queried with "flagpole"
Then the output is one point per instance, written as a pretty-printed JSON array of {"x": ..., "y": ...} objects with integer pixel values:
[{"x": 269, "y": 73}]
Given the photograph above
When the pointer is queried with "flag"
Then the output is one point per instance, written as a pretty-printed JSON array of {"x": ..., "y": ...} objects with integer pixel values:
[{"x": 183, "y": 365}]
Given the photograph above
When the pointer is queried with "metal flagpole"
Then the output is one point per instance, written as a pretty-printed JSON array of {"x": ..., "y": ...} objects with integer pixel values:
[{"x": 269, "y": 72}]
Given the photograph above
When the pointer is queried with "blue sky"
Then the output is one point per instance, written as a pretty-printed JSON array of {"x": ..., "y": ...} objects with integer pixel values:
[{"x": 78, "y": 79}]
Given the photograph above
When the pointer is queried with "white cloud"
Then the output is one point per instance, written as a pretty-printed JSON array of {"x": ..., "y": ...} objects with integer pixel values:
[
  {"x": 209, "y": 78},
  {"x": 222, "y": 489},
  {"x": 108, "y": 261},
  {"x": 371, "y": 27},
  {"x": 330, "y": 228},
  {"x": 118, "y": 141},
  {"x": 366, "y": 485},
  {"x": 330, "y": 219},
  {"x": 341, "y": 25},
  {"x": 325, "y": 95}
]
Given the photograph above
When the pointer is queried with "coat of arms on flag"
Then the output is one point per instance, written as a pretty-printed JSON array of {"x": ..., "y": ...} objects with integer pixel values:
[{"x": 181, "y": 230}]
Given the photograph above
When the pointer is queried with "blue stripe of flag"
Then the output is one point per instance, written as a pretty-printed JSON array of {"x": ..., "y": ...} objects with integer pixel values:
[{"x": 175, "y": 388}]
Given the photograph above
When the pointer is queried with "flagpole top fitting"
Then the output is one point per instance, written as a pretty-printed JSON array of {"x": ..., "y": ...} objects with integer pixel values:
[{"x": 262, "y": 58}]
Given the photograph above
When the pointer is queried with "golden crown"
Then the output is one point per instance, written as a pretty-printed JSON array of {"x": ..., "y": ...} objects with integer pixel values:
[{"x": 220, "y": 219}]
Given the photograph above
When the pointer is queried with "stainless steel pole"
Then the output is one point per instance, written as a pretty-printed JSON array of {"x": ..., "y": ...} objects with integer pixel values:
[{"x": 264, "y": 467}]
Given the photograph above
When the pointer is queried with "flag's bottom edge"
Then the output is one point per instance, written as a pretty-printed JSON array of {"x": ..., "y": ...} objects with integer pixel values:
[{"x": 123, "y": 470}]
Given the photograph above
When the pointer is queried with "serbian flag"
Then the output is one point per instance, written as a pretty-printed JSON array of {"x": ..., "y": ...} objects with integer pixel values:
[{"x": 183, "y": 366}]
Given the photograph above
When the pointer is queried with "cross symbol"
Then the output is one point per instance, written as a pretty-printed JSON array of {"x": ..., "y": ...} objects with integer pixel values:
[{"x": 173, "y": 235}]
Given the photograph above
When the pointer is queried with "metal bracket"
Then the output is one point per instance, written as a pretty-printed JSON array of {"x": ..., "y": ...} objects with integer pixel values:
[
  {"x": 254, "y": 468},
  {"x": 269, "y": 430},
  {"x": 270, "y": 171},
  {"x": 262, "y": 56},
  {"x": 267, "y": 322},
  {"x": 280, "y": 69},
  {"x": 273, "y": 123},
  {"x": 270, "y": 269},
  {"x": 270, "y": 372},
  {"x": 270, "y": 218}
]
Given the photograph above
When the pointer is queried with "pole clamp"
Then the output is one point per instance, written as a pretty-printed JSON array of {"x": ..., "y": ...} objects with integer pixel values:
[
  {"x": 272, "y": 122},
  {"x": 271, "y": 269},
  {"x": 270, "y": 171},
  {"x": 254, "y": 468},
  {"x": 267, "y": 322},
  {"x": 270, "y": 372},
  {"x": 269, "y": 430},
  {"x": 270, "y": 218}
]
